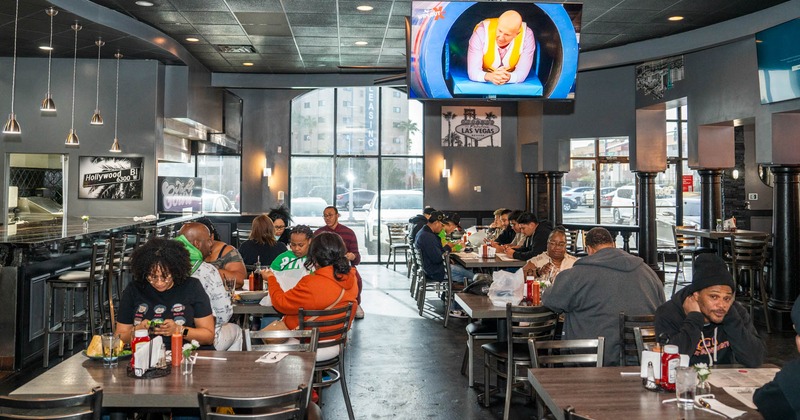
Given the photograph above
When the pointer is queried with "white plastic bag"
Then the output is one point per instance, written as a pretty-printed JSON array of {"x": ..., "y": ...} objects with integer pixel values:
[{"x": 507, "y": 287}]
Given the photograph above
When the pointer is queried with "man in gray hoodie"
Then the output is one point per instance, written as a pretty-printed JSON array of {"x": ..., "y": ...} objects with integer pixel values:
[{"x": 597, "y": 288}]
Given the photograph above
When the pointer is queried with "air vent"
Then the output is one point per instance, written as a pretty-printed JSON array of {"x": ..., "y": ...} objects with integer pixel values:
[{"x": 240, "y": 49}]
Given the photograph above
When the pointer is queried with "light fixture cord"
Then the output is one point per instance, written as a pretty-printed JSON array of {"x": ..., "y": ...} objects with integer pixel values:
[
  {"x": 97, "y": 96},
  {"x": 74, "y": 73},
  {"x": 116, "y": 99},
  {"x": 50, "y": 55},
  {"x": 14, "y": 70}
]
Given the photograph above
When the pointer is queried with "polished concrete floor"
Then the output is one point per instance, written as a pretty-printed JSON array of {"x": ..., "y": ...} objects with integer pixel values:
[{"x": 405, "y": 366}]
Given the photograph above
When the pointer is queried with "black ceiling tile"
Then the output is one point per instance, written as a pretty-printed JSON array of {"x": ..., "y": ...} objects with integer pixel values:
[
  {"x": 277, "y": 49},
  {"x": 257, "y": 18},
  {"x": 313, "y": 31},
  {"x": 310, "y": 6},
  {"x": 255, "y": 5},
  {"x": 210, "y": 18},
  {"x": 306, "y": 50},
  {"x": 220, "y": 29},
  {"x": 395, "y": 43},
  {"x": 312, "y": 19},
  {"x": 648, "y": 4},
  {"x": 396, "y": 33},
  {"x": 176, "y": 29},
  {"x": 362, "y": 21},
  {"x": 598, "y": 27},
  {"x": 626, "y": 15},
  {"x": 200, "y": 5},
  {"x": 268, "y": 30},
  {"x": 362, "y": 32},
  {"x": 271, "y": 40},
  {"x": 379, "y": 7},
  {"x": 321, "y": 58},
  {"x": 303, "y": 40},
  {"x": 161, "y": 17},
  {"x": 204, "y": 48}
]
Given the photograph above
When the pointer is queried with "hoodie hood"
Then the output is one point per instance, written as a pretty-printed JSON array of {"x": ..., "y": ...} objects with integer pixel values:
[
  {"x": 345, "y": 282},
  {"x": 612, "y": 259},
  {"x": 417, "y": 219},
  {"x": 195, "y": 256}
]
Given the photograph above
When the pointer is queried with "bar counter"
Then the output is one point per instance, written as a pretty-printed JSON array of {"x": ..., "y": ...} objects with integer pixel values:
[{"x": 32, "y": 252}]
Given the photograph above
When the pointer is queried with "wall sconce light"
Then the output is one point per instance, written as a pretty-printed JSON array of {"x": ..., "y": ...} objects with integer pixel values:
[
  {"x": 445, "y": 171},
  {"x": 267, "y": 172},
  {"x": 735, "y": 174}
]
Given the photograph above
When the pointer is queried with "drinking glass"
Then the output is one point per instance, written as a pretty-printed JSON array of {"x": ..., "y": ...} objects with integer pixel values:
[
  {"x": 685, "y": 383},
  {"x": 187, "y": 365},
  {"x": 230, "y": 286},
  {"x": 110, "y": 344}
]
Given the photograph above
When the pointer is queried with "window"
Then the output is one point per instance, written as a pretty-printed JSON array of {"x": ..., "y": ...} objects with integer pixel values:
[
  {"x": 307, "y": 105},
  {"x": 321, "y": 102},
  {"x": 221, "y": 183},
  {"x": 353, "y": 152}
]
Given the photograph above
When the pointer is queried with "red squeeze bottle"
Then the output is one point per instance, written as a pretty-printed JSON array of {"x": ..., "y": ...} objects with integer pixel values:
[
  {"x": 140, "y": 336},
  {"x": 176, "y": 342},
  {"x": 670, "y": 359}
]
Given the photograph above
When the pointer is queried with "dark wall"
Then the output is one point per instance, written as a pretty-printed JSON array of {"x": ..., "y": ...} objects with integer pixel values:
[
  {"x": 140, "y": 95},
  {"x": 491, "y": 168},
  {"x": 266, "y": 120}
]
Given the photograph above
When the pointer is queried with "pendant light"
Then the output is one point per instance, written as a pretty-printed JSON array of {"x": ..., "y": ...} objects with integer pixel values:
[
  {"x": 72, "y": 137},
  {"x": 47, "y": 103},
  {"x": 11, "y": 126},
  {"x": 97, "y": 119},
  {"x": 115, "y": 146}
]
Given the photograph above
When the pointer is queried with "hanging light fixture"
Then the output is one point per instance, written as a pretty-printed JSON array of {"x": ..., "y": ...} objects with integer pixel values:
[
  {"x": 72, "y": 137},
  {"x": 115, "y": 146},
  {"x": 97, "y": 119},
  {"x": 47, "y": 103},
  {"x": 12, "y": 126}
]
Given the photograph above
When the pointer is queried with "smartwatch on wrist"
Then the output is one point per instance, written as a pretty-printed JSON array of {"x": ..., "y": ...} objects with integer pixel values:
[{"x": 185, "y": 332}]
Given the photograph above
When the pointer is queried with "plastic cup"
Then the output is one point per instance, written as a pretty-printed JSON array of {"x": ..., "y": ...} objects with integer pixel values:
[
  {"x": 110, "y": 345},
  {"x": 685, "y": 384}
]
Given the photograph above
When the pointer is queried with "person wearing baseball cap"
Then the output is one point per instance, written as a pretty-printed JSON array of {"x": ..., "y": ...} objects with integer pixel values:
[
  {"x": 780, "y": 399},
  {"x": 705, "y": 322}
]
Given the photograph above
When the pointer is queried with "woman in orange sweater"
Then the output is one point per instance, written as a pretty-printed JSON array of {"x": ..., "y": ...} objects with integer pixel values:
[{"x": 333, "y": 279}]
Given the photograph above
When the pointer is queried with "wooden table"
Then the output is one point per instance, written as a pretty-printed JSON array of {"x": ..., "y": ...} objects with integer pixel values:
[
  {"x": 245, "y": 310},
  {"x": 477, "y": 306},
  {"x": 471, "y": 260},
  {"x": 719, "y": 236},
  {"x": 240, "y": 375},
  {"x": 602, "y": 393}
]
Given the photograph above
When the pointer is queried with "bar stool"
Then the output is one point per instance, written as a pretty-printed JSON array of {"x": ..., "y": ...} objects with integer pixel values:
[{"x": 70, "y": 283}]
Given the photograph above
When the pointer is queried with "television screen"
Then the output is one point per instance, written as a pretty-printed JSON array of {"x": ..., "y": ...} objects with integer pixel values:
[
  {"x": 493, "y": 50},
  {"x": 778, "y": 52}
]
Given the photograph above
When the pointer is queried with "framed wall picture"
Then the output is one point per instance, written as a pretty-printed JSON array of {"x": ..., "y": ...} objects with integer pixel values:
[
  {"x": 110, "y": 178},
  {"x": 471, "y": 126},
  {"x": 177, "y": 194}
]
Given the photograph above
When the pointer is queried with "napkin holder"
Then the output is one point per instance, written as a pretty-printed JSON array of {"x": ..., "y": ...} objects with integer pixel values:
[
  {"x": 655, "y": 357},
  {"x": 146, "y": 361}
]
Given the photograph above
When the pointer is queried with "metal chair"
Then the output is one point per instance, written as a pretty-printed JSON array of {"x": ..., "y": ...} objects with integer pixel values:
[
  {"x": 484, "y": 330},
  {"x": 333, "y": 325},
  {"x": 504, "y": 359},
  {"x": 569, "y": 352},
  {"x": 426, "y": 284},
  {"x": 74, "y": 407},
  {"x": 570, "y": 414},
  {"x": 628, "y": 355},
  {"x": 643, "y": 335},
  {"x": 448, "y": 287},
  {"x": 414, "y": 267},
  {"x": 397, "y": 243},
  {"x": 305, "y": 340},
  {"x": 748, "y": 257},
  {"x": 90, "y": 282},
  {"x": 685, "y": 246},
  {"x": 572, "y": 241},
  {"x": 289, "y": 405}
]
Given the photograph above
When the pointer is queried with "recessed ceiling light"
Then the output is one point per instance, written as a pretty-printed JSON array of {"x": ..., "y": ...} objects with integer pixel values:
[
  {"x": 45, "y": 47},
  {"x": 192, "y": 39},
  {"x": 361, "y": 43},
  {"x": 144, "y": 3},
  {"x": 247, "y": 64},
  {"x": 364, "y": 8},
  {"x": 674, "y": 18}
]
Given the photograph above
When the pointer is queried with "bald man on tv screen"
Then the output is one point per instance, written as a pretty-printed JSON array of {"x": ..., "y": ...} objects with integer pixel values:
[{"x": 501, "y": 50}]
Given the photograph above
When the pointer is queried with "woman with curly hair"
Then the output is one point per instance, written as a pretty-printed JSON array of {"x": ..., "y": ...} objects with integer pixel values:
[
  {"x": 280, "y": 219},
  {"x": 332, "y": 282},
  {"x": 261, "y": 245},
  {"x": 162, "y": 293}
]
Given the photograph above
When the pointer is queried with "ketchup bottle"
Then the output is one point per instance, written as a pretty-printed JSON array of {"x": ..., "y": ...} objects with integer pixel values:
[
  {"x": 670, "y": 359},
  {"x": 176, "y": 342},
  {"x": 140, "y": 336}
]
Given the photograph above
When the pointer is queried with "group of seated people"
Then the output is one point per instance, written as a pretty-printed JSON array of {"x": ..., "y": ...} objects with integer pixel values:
[{"x": 702, "y": 319}]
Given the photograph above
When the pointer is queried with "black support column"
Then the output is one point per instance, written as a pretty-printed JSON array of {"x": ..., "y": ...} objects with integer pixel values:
[
  {"x": 710, "y": 198},
  {"x": 530, "y": 193},
  {"x": 648, "y": 241},
  {"x": 786, "y": 246},
  {"x": 555, "y": 212}
]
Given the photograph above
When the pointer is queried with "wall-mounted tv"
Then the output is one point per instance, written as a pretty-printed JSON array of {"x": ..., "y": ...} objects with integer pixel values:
[
  {"x": 778, "y": 52},
  {"x": 493, "y": 50}
]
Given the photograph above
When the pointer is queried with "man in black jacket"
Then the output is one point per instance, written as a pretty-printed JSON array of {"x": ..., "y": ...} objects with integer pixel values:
[
  {"x": 536, "y": 237},
  {"x": 780, "y": 398},
  {"x": 705, "y": 322},
  {"x": 417, "y": 222}
]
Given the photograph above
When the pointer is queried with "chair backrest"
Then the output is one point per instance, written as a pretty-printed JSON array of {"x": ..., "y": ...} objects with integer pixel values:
[
  {"x": 307, "y": 340},
  {"x": 83, "y": 406},
  {"x": 569, "y": 352},
  {"x": 681, "y": 240},
  {"x": 749, "y": 252},
  {"x": 628, "y": 352},
  {"x": 289, "y": 405},
  {"x": 524, "y": 322},
  {"x": 572, "y": 240},
  {"x": 397, "y": 233},
  {"x": 418, "y": 258},
  {"x": 643, "y": 335},
  {"x": 333, "y": 324}
]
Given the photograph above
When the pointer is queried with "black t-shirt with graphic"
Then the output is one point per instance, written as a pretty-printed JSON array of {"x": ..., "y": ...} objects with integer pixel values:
[{"x": 181, "y": 303}]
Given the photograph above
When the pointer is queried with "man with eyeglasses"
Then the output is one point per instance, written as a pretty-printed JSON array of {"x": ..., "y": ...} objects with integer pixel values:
[
  {"x": 553, "y": 261},
  {"x": 598, "y": 287},
  {"x": 280, "y": 221},
  {"x": 331, "y": 216}
]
